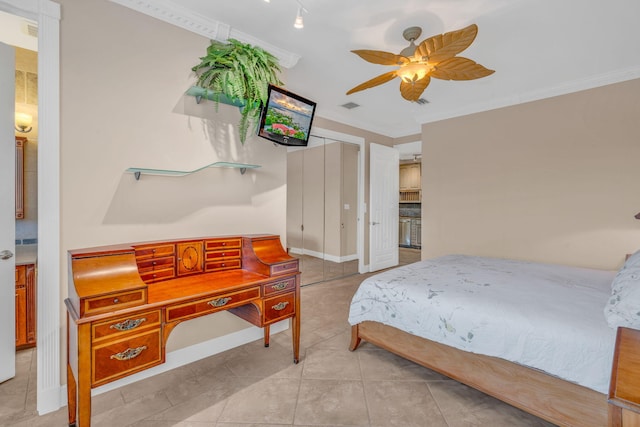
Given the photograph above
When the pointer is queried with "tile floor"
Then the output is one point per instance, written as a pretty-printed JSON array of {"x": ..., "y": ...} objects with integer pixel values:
[{"x": 253, "y": 386}]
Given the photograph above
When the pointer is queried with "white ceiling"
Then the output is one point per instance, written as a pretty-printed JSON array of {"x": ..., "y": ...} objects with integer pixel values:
[{"x": 538, "y": 48}]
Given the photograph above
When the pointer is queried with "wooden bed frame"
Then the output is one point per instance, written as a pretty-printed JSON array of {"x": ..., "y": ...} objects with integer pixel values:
[{"x": 558, "y": 401}]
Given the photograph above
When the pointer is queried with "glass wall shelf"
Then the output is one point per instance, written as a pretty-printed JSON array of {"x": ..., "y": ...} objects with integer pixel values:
[
  {"x": 143, "y": 171},
  {"x": 200, "y": 93}
]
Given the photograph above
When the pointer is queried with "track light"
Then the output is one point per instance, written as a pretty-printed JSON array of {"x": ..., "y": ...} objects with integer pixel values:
[{"x": 299, "y": 23}]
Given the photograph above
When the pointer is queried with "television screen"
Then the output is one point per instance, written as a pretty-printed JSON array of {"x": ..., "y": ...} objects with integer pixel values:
[{"x": 287, "y": 117}]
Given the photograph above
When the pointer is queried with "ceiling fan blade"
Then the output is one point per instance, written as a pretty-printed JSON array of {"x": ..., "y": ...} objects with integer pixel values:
[
  {"x": 444, "y": 46},
  {"x": 383, "y": 78},
  {"x": 459, "y": 68},
  {"x": 380, "y": 57},
  {"x": 411, "y": 91}
]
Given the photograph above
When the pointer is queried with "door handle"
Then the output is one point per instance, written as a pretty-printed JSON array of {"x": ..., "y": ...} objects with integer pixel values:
[
  {"x": 6, "y": 254},
  {"x": 375, "y": 223}
]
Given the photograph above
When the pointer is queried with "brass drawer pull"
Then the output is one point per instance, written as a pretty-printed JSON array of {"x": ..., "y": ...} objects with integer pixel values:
[
  {"x": 128, "y": 324},
  {"x": 281, "y": 305},
  {"x": 116, "y": 300},
  {"x": 219, "y": 302},
  {"x": 130, "y": 353},
  {"x": 279, "y": 286}
]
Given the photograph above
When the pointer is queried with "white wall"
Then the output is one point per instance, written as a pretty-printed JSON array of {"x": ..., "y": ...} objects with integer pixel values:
[
  {"x": 123, "y": 79},
  {"x": 553, "y": 180}
]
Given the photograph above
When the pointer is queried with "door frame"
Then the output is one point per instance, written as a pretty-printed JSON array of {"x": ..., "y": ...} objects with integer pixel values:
[
  {"x": 360, "y": 142},
  {"x": 50, "y": 394},
  {"x": 8, "y": 214}
]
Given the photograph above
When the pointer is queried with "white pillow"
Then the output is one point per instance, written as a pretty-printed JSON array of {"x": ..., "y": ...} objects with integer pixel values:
[
  {"x": 632, "y": 260},
  {"x": 623, "y": 307}
]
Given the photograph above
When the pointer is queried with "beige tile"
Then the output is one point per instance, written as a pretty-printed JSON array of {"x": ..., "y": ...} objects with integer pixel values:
[
  {"x": 106, "y": 401},
  {"x": 402, "y": 404},
  {"x": 269, "y": 401},
  {"x": 132, "y": 412},
  {"x": 331, "y": 364},
  {"x": 464, "y": 406},
  {"x": 156, "y": 383},
  {"x": 331, "y": 403},
  {"x": 378, "y": 364}
]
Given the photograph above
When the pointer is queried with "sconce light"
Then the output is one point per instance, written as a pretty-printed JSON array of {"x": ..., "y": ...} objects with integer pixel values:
[{"x": 23, "y": 122}]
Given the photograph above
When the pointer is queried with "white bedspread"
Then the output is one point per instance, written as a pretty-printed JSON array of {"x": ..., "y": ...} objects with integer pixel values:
[{"x": 544, "y": 316}]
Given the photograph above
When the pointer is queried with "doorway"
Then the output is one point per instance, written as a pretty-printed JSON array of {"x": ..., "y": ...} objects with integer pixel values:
[
  {"x": 324, "y": 208},
  {"x": 47, "y": 14}
]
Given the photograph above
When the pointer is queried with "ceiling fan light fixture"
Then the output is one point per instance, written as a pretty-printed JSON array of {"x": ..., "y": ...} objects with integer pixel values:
[
  {"x": 434, "y": 57},
  {"x": 413, "y": 71}
]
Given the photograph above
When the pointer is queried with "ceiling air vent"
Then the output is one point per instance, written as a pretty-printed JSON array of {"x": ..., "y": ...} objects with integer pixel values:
[
  {"x": 350, "y": 105},
  {"x": 30, "y": 28}
]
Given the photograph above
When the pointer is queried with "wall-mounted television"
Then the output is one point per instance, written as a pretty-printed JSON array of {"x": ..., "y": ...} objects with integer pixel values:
[{"x": 286, "y": 118}]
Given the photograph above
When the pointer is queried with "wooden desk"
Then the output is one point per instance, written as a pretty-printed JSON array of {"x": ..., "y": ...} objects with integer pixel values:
[
  {"x": 624, "y": 389},
  {"x": 124, "y": 301}
]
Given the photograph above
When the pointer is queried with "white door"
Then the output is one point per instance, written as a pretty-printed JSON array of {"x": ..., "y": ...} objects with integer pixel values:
[
  {"x": 7, "y": 214},
  {"x": 383, "y": 200}
]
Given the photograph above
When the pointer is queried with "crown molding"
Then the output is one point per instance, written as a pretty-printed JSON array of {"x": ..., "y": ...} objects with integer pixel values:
[
  {"x": 182, "y": 17},
  {"x": 591, "y": 82}
]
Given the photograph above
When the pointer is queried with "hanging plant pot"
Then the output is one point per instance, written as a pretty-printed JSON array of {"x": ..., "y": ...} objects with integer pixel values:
[{"x": 241, "y": 73}]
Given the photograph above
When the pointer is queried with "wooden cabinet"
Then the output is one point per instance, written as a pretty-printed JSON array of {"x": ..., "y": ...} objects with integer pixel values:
[
  {"x": 410, "y": 175},
  {"x": 410, "y": 183},
  {"x": 25, "y": 306},
  {"x": 624, "y": 390}
]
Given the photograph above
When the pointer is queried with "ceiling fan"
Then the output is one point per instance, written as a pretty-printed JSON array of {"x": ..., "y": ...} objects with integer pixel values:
[{"x": 434, "y": 57}]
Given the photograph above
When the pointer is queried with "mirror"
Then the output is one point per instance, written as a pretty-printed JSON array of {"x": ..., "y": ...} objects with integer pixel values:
[{"x": 322, "y": 197}]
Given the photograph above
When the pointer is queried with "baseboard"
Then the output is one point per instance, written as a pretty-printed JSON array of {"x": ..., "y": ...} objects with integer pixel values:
[{"x": 320, "y": 255}]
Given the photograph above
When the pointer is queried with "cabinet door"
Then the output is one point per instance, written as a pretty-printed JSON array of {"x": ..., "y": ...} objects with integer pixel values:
[
  {"x": 21, "y": 306},
  {"x": 30, "y": 304},
  {"x": 410, "y": 175}
]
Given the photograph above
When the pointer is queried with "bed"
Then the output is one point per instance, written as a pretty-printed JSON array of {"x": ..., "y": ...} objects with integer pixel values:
[{"x": 537, "y": 336}]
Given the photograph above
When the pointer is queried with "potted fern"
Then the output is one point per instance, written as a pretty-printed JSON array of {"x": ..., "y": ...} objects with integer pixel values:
[{"x": 241, "y": 73}]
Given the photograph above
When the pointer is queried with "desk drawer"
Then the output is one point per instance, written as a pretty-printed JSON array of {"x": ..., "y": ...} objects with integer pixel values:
[
  {"x": 214, "y": 244},
  {"x": 279, "y": 307},
  {"x": 117, "y": 359},
  {"x": 120, "y": 327},
  {"x": 155, "y": 251},
  {"x": 223, "y": 254},
  {"x": 211, "y": 304},
  {"x": 222, "y": 265},
  {"x": 286, "y": 267},
  {"x": 284, "y": 285},
  {"x": 112, "y": 302}
]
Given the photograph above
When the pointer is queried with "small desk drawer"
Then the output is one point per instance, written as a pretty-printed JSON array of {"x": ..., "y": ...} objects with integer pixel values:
[
  {"x": 117, "y": 359},
  {"x": 284, "y": 285},
  {"x": 157, "y": 275},
  {"x": 223, "y": 254},
  {"x": 115, "y": 301},
  {"x": 154, "y": 251},
  {"x": 120, "y": 327},
  {"x": 211, "y": 304},
  {"x": 210, "y": 245},
  {"x": 156, "y": 264},
  {"x": 279, "y": 307},
  {"x": 222, "y": 265},
  {"x": 287, "y": 267}
]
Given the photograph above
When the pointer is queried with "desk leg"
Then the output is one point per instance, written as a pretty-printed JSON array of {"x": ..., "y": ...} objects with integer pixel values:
[
  {"x": 71, "y": 387},
  {"x": 267, "y": 329},
  {"x": 84, "y": 375},
  {"x": 295, "y": 324}
]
